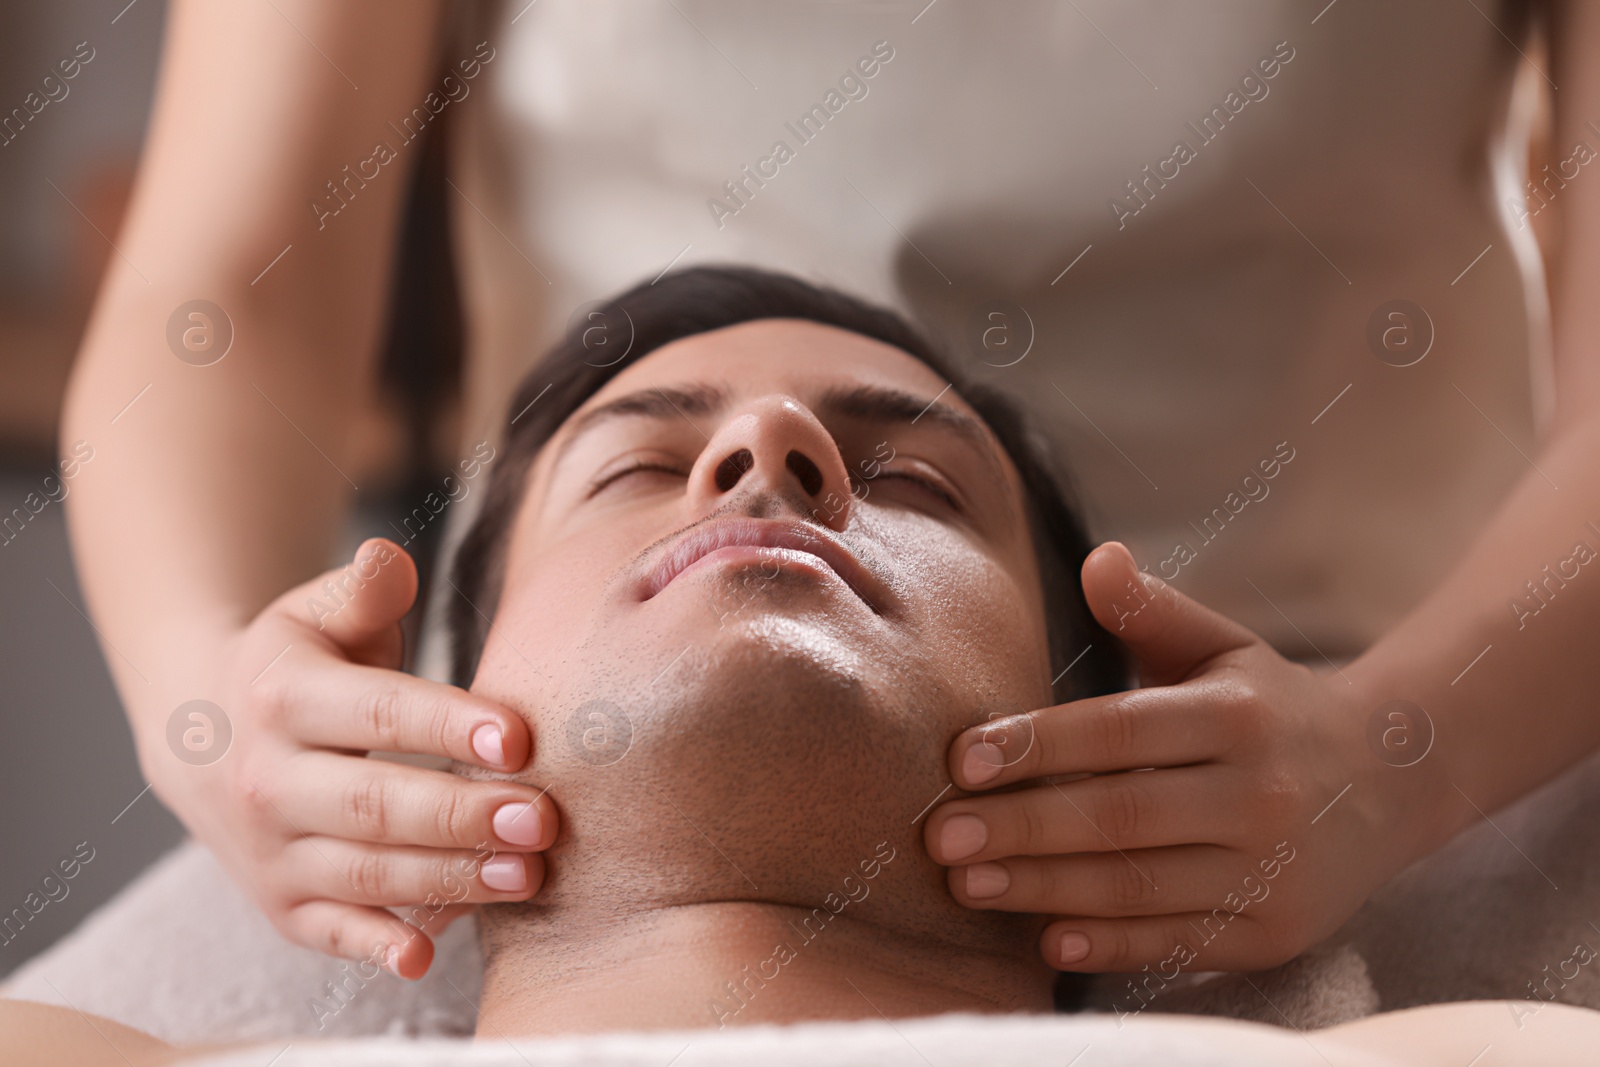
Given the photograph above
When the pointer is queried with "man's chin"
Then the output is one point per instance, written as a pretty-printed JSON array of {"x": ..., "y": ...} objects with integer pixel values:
[
  {"x": 778, "y": 670},
  {"x": 771, "y": 735}
]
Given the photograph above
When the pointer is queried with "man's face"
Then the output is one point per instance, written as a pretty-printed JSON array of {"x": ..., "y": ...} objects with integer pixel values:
[{"x": 758, "y": 583}]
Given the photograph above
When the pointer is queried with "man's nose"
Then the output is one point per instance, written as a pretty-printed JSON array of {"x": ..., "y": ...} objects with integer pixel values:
[{"x": 775, "y": 444}]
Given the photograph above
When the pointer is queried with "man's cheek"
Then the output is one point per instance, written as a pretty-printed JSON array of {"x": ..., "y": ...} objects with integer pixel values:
[
  {"x": 542, "y": 615},
  {"x": 979, "y": 631}
]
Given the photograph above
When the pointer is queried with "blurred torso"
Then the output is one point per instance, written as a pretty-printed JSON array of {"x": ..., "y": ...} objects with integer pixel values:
[{"x": 1204, "y": 326}]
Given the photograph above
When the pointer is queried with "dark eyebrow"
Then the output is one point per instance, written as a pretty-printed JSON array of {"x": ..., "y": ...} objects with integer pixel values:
[
  {"x": 873, "y": 403},
  {"x": 866, "y": 403},
  {"x": 665, "y": 402}
]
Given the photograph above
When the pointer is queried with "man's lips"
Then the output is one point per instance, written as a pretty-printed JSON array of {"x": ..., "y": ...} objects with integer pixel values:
[{"x": 782, "y": 540}]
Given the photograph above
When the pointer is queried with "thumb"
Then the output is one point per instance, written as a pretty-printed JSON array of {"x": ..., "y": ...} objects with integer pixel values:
[
  {"x": 359, "y": 606},
  {"x": 1168, "y": 633}
]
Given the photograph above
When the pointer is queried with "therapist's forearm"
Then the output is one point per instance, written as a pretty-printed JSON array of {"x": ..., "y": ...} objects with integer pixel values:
[
  {"x": 1511, "y": 694},
  {"x": 213, "y": 489},
  {"x": 202, "y": 502},
  {"x": 1526, "y": 708}
]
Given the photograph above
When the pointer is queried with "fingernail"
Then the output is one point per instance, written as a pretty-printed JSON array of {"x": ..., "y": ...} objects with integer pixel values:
[
  {"x": 509, "y": 874},
  {"x": 489, "y": 743},
  {"x": 391, "y": 960},
  {"x": 962, "y": 836},
  {"x": 1074, "y": 947},
  {"x": 518, "y": 824},
  {"x": 986, "y": 880},
  {"x": 982, "y": 762}
]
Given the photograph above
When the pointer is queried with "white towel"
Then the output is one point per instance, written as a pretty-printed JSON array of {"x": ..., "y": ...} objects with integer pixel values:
[
  {"x": 954, "y": 1040},
  {"x": 181, "y": 953}
]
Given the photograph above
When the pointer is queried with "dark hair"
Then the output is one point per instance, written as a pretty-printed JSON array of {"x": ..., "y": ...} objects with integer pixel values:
[{"x": 613, "y": 333}]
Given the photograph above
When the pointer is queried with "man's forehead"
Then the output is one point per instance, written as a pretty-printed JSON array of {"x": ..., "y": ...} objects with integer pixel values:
[{"x": 794, "y": 356}]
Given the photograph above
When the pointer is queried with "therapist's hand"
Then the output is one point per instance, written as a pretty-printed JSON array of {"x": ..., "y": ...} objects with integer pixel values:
[
  {"x": 325, "y": 839},
  {"x": 1233, "y": 814}
]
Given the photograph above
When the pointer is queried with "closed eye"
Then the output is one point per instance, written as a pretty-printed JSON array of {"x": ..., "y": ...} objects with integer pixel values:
[
  {"x": 926, "y": 484},
  {"x": 633, "y": 468}
]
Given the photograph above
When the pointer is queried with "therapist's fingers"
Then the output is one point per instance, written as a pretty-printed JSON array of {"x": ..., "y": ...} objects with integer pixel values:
[
  {"x": 1194, "y": 709},
  {"x": 359, "y": 606},
  {"x": 375, "y": 937},
  {"x": 339, "y": 688},
  {"x": 356, "y": 873},
  {"x": 1160, "y": 881},
  {"x": 1161, "y": 727},
  {"x": 321, "y": 792},
  {"x": 1170, "y": 634},
  {"x": 329, "y": 703},
  {"x": 1138, "y": 809},
  {"x": 1215, "y": 940}
]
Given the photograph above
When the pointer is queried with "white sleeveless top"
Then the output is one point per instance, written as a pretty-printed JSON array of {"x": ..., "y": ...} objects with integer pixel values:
[{"x": 1175, "y": 230}]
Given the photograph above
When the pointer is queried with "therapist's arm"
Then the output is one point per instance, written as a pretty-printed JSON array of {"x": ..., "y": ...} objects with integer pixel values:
[
  {"x": 1527, "y": 709},
  {"x": 210, "y": 493},
  {"x": 1273, "y": 809}
]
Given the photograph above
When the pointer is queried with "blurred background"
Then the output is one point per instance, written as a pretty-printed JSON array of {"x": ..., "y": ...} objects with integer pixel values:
[
  {"x": 67, "y": 767},
  {"x": 68, "y": 775}
]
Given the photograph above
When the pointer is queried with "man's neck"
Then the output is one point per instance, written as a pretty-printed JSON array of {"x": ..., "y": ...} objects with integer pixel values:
[{"x": 735, "y": 963}]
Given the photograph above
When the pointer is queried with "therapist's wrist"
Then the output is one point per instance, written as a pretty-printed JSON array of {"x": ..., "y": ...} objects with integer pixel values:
[
  {"x": 1410, "y": 763},
  {"x": 192, "y": 669}
]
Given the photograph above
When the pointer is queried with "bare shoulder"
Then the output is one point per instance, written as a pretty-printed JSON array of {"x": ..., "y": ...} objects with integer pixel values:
[
  {"x": 44, "y": 1035},
  {"x": 1519, "y": 1031}
]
